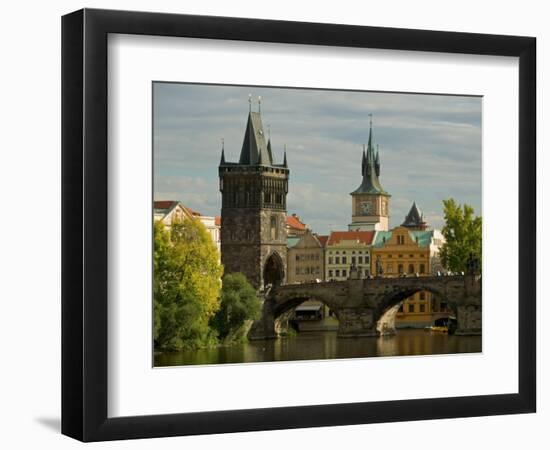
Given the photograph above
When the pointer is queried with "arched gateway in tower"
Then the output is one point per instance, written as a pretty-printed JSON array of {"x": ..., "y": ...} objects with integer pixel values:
[{"x": 253, "y": 215}]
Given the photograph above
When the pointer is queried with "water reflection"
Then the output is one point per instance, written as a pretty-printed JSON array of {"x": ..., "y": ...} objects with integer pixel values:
[{"x": 325, "y": 345}]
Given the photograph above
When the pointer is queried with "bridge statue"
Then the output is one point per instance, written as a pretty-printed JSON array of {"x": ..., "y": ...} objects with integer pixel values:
[{"x": 367, "y": 306}]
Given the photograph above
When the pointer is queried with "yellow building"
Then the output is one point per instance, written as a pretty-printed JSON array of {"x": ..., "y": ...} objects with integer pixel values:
[{"x": 411, "y": 251}]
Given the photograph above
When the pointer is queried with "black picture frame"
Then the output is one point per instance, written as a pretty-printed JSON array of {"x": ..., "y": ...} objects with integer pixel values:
[{"x": 84, "y": 224}]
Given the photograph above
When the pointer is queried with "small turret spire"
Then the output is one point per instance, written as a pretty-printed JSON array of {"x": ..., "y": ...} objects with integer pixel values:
[
  {"x": 222, "y": 160},
  {"x": 284, "y": 160},
  {"x": 259, "y": 103}
]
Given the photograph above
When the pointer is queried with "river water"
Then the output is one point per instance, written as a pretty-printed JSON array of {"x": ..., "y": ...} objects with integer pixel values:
[{"x": 325, "y": 345}]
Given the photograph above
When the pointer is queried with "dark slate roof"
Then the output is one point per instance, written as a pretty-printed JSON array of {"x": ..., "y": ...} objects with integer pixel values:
[
  {"x": 414, "y": 217},
  {"x": 255, "y": 150},
  {"x": 370, "y": 169}
]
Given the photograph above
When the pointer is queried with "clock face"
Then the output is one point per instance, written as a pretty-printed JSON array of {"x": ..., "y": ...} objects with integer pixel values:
[{"x": 366, "y": 207}]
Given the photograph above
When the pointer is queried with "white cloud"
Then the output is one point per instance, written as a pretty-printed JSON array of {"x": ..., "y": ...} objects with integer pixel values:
[{"x": 430, "y": 147}]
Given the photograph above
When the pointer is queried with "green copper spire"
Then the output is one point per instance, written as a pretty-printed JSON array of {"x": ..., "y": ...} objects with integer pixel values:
[{"x": 370, "y": 169}]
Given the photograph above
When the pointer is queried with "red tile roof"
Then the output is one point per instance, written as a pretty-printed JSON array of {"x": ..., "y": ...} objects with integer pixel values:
[
  {"x": 163, "y": 204},
  {"x": 218, "y": 221},
  {"x": 294, "y": 222},
  {"x": 364, "y": 237},
  {"x": 192, "y": 211},
  {"x": 322, "y": 239}
]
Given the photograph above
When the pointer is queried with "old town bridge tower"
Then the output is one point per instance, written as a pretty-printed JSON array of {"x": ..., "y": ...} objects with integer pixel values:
[{"x": 253, "y": 215}]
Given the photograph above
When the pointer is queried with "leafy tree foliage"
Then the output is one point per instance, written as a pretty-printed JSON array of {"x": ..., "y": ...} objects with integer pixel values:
[
  {"x": 186, "y": 285},
  {"x": 462, "y": 232},
  {"x": 239, "y": 303}
]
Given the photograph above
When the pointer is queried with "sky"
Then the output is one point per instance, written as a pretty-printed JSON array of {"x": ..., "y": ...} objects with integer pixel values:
[{"x": 430, "y": 147}]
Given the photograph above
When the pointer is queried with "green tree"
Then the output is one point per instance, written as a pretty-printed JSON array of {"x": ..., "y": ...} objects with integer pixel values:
[
  {"x": 186, "y": 286},
  {"x": 462, "y": 232},
  {"x": 239, "y": 303}
]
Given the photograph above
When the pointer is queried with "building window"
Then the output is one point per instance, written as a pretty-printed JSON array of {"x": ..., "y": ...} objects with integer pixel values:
[
  {"x": 422, "y": 295},
  {"x": 401, "y": 308},
  {"x": 330, "y": 259},
  {"x": 337, "y": 273},
  {"x": 330, "y": 273},
  {"x": 422, "y": 308},
  {"x": 360, "y": 260},
  {"x": 411, "y": 308},
  {"x": 411, "y": 268},
  {"x": 400, "y": 239},
  {"x": 344, "y": 260},
  {"x": 400, "y": 269},
  {"x": 337, "y": 260},
  {"x": 389, "y": 268},
  {"x": 344, "y": 273},
  {"x": 353, "y": 259},
  {"x": 422, "y": 268}
]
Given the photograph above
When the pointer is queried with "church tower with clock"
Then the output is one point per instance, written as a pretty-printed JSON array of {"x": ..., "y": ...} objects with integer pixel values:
[{"x": 370, "y": 202}]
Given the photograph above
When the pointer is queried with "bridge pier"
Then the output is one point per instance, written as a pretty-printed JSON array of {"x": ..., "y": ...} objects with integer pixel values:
[
  {"x": 468, "y": 318},
  {"x": 264, "y": 327},
  {"x": 356, "y": 322}
]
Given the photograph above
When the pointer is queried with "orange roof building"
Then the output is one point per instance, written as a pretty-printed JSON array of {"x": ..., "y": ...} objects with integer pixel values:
[
  {"x": 347, "y": 249},
  {"x": 294, "y": 226}
]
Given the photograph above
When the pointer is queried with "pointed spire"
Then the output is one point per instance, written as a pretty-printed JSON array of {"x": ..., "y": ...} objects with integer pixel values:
[
  {"x": 370, "y": 168},
  {"x": 222, "y": 160},
  {"x": 254, "y": 150},
  {"x": 363, "y": 162},
  {"x": 269, "y": 151},
  {"x": 259, "y": 103},
  {"x": 285, "y": 164},
  {"x": 414, "y": 218},
  {"x": 249, "y": 103},
  {"x": 377, "y": 161}
]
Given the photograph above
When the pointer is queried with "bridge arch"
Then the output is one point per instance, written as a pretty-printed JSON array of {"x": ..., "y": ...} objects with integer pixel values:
[
  {"x": 389, "y": 304},
  {"x": 293, "y": 301}
]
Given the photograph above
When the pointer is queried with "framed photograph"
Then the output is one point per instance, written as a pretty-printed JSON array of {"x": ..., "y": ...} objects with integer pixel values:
[{"x": 273, "y": 224}]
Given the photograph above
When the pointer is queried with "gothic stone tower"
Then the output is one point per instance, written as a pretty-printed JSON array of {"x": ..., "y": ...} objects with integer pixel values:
[
  {"x": 253, "y": 216},
  {"x": 370, "y": 203}
]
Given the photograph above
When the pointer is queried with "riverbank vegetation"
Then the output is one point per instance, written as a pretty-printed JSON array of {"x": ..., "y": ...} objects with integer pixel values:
[
  {"x": 463, "y": 234},
  {"x": 192, "y": 308}
]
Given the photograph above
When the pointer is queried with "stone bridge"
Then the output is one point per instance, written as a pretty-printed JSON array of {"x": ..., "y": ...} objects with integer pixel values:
[{"x": 367, "y": 307}]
